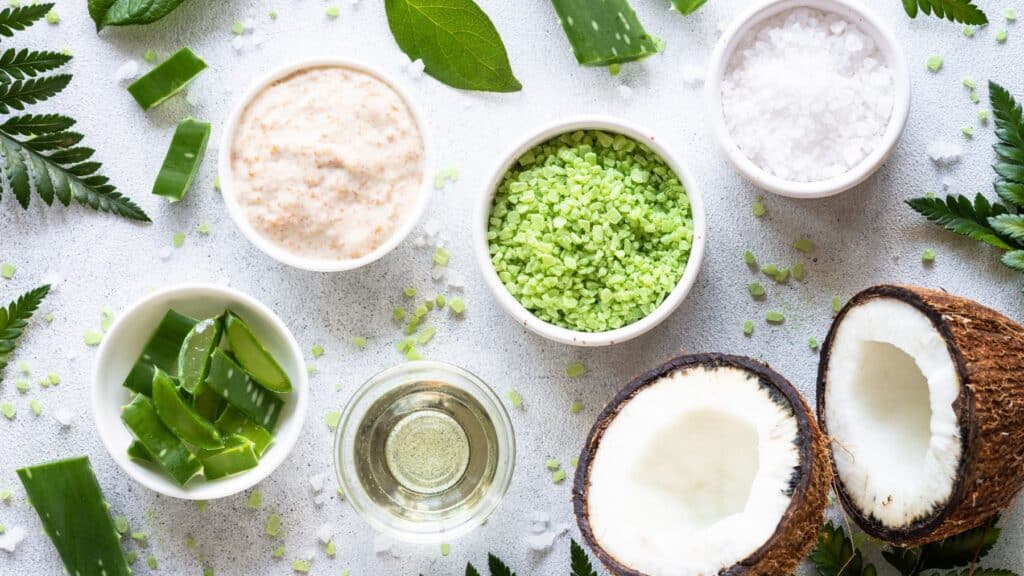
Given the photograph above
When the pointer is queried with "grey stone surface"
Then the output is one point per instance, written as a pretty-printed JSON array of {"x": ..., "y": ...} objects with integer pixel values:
[{"x": 863, "y": 237}]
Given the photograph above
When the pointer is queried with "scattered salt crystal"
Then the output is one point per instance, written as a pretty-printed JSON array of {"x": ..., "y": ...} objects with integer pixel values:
[
  {"x": 165, "y": 253},
  {"x": 455, "y": 281},
  {"x": 325, "y": 533},
  {"x": 945, "y": 153},
  {"x": 437, "y": 272},
  {"x": 626, "y": 92},
  {"x": 432, "y": 228},
  {"x": 383, "y": 544},
  {"x": 248, "y": 24},
  {"x": 10, "y": 539},
  {"x": 546, "y": 539},
  {"x": 192, "y": 97},
  {"x": 238, "y": 43},
  {"x": 308, "y": 554},
  {"x": 320, "y": 499},
  {"x": 63, "y": 416},
  {"x": 692, "y": 75},
  {"x": 316, "y": 481},
  {"x": 415, "y": 68},
  {"x": 127, "y": 71},
  {"x": 420, "y": 242}
]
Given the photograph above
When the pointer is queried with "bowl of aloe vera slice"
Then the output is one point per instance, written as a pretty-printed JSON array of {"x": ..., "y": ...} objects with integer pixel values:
[{"x": 199, "y": 391}]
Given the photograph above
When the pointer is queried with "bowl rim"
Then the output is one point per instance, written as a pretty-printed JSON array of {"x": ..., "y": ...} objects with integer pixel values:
[
  {"x": 226, "y": 176},
  {"x": 616, "y": 125},
  {"x": 869, "y": 23},
  {"x": 205, "y": 490}
]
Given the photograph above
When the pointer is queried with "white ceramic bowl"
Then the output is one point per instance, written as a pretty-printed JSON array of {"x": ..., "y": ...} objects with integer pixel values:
[
  {"x": 125, "y": 340},
  {"x": 558, "y": 333},
  {"x": 870, "y": 24},
  {"x": 266, "y": 245}
]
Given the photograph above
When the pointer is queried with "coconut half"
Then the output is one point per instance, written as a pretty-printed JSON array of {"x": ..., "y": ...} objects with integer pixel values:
[
  {"x": 709, "y": 464},
  {"x": 922, "y": 396}
]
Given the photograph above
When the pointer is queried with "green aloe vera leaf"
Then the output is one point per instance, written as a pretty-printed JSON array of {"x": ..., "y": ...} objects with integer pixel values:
[
  {"x": 232, "y": 382},
  {"x": 254, "y": 358},
  {"x": 687, "y": 7},
  {"x": 182, "y": 160},
  {"x": 180, "y": 417},
  {"x": 233, "y": 421},
  {"x": 161, "y": 352},
  {"x": 169, "y": 452},
  {"x": 136, "y": 451},
  {"x": 69, "y": 502},
  {"x": 196, "y": 349},
  {"x": 167, "y": 79},
  {"x": 604, "y": 32},
  {"x": 237, "y": 455},
  {"x": 208, "y": 402}
]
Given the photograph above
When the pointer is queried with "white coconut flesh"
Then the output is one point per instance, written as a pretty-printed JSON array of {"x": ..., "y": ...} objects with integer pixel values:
[
  {"x": 889, "y": 393},
  {"x": 694, "y": 473}
]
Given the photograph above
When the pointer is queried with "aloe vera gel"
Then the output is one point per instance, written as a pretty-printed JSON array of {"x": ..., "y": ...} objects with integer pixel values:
[{"x": 425, "y": 451}]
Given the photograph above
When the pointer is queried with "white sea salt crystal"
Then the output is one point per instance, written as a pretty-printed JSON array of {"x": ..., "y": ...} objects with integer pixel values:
[
  {"x": 437, "y": 272},
  {"x": 415, "y": 68},
  {"x": 432, "y": 228},
  {"x": 807, "y": 95},
  {"x": 238, "y": 43},
  {"x": 455, "y": 281},
  {"x": 544, "y": 540},
  {"x": 325, "y": 533},
  {"x": 692, "y": 75},
  {"x": 320, "y": 499},
  {"x": 419, "y": 241},
  {"x": 165, "y": 253},
  {"x": 308, "y": 554},
  {"x": 383, "y": 544},
  {"x": 945, "y": 153},
  {"x": 316, "y": 481},
  {"x": 127, "y": 71},
  {"x": 626, "y": 92},
  {"x": 10, "y": 539},
  {"x": 63, "y": 416}
]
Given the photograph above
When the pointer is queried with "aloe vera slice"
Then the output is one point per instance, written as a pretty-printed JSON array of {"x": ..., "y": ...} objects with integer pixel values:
[
  {"x": 237, "y": 455},
  {"x": 160, "y": 352},
  {"x": 605, "y": 32},
  {"x": 251, "y": 354},
  {"x": 232, "y": 382},
  {"x": 182, "y": 159},
  {"x": 136, "y": 451},
  {"x": 208, "y": 402},
  {"x": 233, "y": 421},
  {"x": 169, "y": 452},
  {"x": 181, "y": 418},
  {"x": 69, "y": 502},
  {"x": 196, "y": 349},
  {"x": 167, "y": 79}
]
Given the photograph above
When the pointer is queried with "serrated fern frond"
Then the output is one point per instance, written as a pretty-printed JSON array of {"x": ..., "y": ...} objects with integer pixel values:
[
  {"x": 962, "y": 11},
  {"x": 36, "y": 124},
  {"x": 581, "y": 565},
  {"x": 19, "y": 64},
  {"x": 13, "y": 320},
  {"x": 957, "y": 214},
  {"x": 18, "y": 18},
  {"x": 17, "y": 93}
]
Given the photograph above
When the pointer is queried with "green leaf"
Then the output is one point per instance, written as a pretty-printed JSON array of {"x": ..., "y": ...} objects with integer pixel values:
[
  {"x": 128, "y": 12},
  {"x": 18, "y": 64},
  {"x": 956, "y": 214},
  {"x": 18, "y": 18},
  {"x": 1011, "y": 192},
  {"x": 604, "y": 33},
  {"x": 962, "y": 11},
  {"x": 1011, "y": 225},
  {"x": 471, "y": 571},
  {"x": 954, "y": 552},
  {"x": 687, "y": 7},
  {"x": 18, "y": 93},
  {"x": 497, "y": 567},
  {"x": 905, "y": 560},
  {"x": 1008, "y": 116},
  {"x": 834, "y": 555},
  {"x": 456, "y": 41},
  {"x": 13, "y": 320},
  {"x": 1015, "y": 260},
  {"x": 36, "y": 124},
  {"x": 581, "y": 565}
]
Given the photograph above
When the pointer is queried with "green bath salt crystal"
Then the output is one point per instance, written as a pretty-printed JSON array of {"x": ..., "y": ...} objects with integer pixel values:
[
  {"x": 590, "y": 231},
  {"x": 773, "y": 317}
]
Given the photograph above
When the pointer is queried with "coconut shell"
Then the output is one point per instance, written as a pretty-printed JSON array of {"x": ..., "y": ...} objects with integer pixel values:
[
  {"x": 988, "y": 352},
  {"x": 797, "y": 530}
]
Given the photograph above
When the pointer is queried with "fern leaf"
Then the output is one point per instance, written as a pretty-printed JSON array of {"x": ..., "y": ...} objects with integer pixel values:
[
  {"x": 18, "y": 93},
  {"x": 962, "y": 11},
  {"x": 19, "y": 64},
  {"x": 1009, "y": 225},
  {"x": 19, "y": 18},
  {"x": 14, "y": 318},
  {"x": 36, "y": 124},
  {"x": 1014, "y": 260},
  {"x": 53, "y": 141},
  {"x": 581, "y": 565},
  {"x": 1011, "y": 192},
  {"x": 957, "y": 214},
  {"x": 497, "y": 567},
  {"x": 835, "y": 555},
  {"x": 471, "y": 570}
]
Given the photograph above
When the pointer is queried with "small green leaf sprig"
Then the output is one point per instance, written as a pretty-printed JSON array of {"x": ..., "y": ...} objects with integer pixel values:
[
  {"x": 962, "y": 11},
  {"x": 580, "y": 564},
  {"x": 13, "y": 320}
]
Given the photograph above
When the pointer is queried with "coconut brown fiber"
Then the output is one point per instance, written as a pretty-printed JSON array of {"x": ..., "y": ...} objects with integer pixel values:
[
  {"x": 988, "y": 352},
  {"x": 797, "y": 530}
]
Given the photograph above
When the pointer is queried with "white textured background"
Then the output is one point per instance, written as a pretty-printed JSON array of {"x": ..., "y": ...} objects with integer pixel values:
[{"x": 864, "y": 237}]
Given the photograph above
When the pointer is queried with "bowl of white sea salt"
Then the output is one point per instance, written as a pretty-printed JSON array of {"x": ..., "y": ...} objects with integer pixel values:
[{"x": 808, "y": 98}]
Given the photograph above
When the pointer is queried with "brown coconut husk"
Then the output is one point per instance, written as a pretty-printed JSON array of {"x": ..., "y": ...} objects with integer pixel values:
[
  {"x": 988, "y": 351},
  {"x": 797, "y": 531}
]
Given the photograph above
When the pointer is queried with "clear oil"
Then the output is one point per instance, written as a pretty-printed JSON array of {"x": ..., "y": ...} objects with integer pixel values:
[{"x": 426, "y": 451}]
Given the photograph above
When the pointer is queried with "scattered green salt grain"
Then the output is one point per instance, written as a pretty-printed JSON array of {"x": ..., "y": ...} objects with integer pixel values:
[
  {"x": 317, "y": 350},
  {"x": 139, "y": 536},
  {"x": 1011, "y": 15},
  {"x": 445, "y": 548},
  {"x": 804, "y": 245},
  {"x": 614, "y": 68},
  {"x": 203, "y": 228},
  {"x": 273, "y": 14},
  {"x": 748, "y": 328},
  {"x": 255, "y": 500},
  {"x": 332, "y": 417},
  {"x": 301, "y": 566},
  {"x": 273, "y": 525},
  {"x": 279, "y": 552},
  {"x": 7, "y": 270},
  {"x": 576, "y": 407},
  {"x": 131, "y": 557},
  {"x": 756, "y": 289},
  {"x": 425, "y": 335},
  {"x": 311, "y": 368},
  {"x": 983, "y": 116},
  {"x": 934, "y": 63},
  {"x": 330, "y": 549},
  {"x": 928, "y": 256},
  {"x": 36, "y": 407},
  {"x": 1001, "y": 36},
  {"x": 190, "y": 542},
  {"x": 48, "y": 317},
  {"x": 3, "y": 529},
  {"x": 574, "y": 461},
  {"x": 216, "y": 182},
  {"x": 151, "y": 562},
  {"x": 441, "y": 257},
  {"x": 413, "y": 355},
  {"x": 359, "y": 342},
  {"x": 149, "y": 56},
  {"x": 575, "y": 370},
  {"x": 812, "y": 343},
  {"x": 837, "y": 304},
  {"x": 773, "y": 317},
  {"x": 106, "y": 318},
  {"x": 207, "y": 571},
  {"x": 237, "y": 28},
  {"x": 558, "y": 476},
  {"x": 7, "y": 409},
  {"x": 749, "y": 258},
  {"x": 409, "y": 292},
  {"x": 429, "y": 304},
  {"x": 974, "y": 97},
  {"x": 969, "y": 82},
  {"x": 457, "y": 305},
  {"x": 178, "y": 240},
  {"x": 52, "y": 17},
  {"x": 5, "y": 495},
  {"x": 201, "y": 505},
  {"x": 758, "y": 208},
  {"x": 22, "y": 385},
  {"x": 798, "y": 271},
  {"x": 121, "y": 524},
  {"x": 552, "y": 464},
  {"x": 23, "y": 367},
  {"x": 440, "y": 301},
  {"x": 398, "y": 314},
  {"x": 332, "y": 12},
  {"x": 969, "y": 31},
  {"x": 515, "y": 399},
  {"x": 968, "y": 131}
]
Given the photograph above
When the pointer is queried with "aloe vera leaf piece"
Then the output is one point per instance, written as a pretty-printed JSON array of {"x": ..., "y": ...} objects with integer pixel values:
[
  {"x": 167, "y": 79},
  {"x": 68, "y": 500},
  {"x": 254, "y": 358},
  {"x": 233, "y": 421},
  {"x": 208, "y": 402},
  {"x": 161, "y": 351},
  {"x": 182, "y": 159},
  {"x": 687, "y": 7},
  {"x": 604, "y": 32},
  {"x": 232, "y": 382},
  {"x": 237, "y": 455},
  {"x": 180, "y": 417},
  {"x": 169, "y": 452},
  {"x": 196, "y": 350},
  {"x": 136, "y": 451}
]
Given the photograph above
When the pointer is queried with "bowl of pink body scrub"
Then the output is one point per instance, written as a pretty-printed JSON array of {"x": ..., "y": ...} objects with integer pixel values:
[
  {"x": 591, "y": 231},
  {"x": 807, "y": 98}
]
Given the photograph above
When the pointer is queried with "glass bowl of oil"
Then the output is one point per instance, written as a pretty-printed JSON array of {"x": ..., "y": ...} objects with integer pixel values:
[{"x": 424, "y": 451}]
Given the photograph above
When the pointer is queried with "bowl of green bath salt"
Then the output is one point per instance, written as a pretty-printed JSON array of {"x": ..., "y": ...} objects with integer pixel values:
[{"x": 591, "y": 232}]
